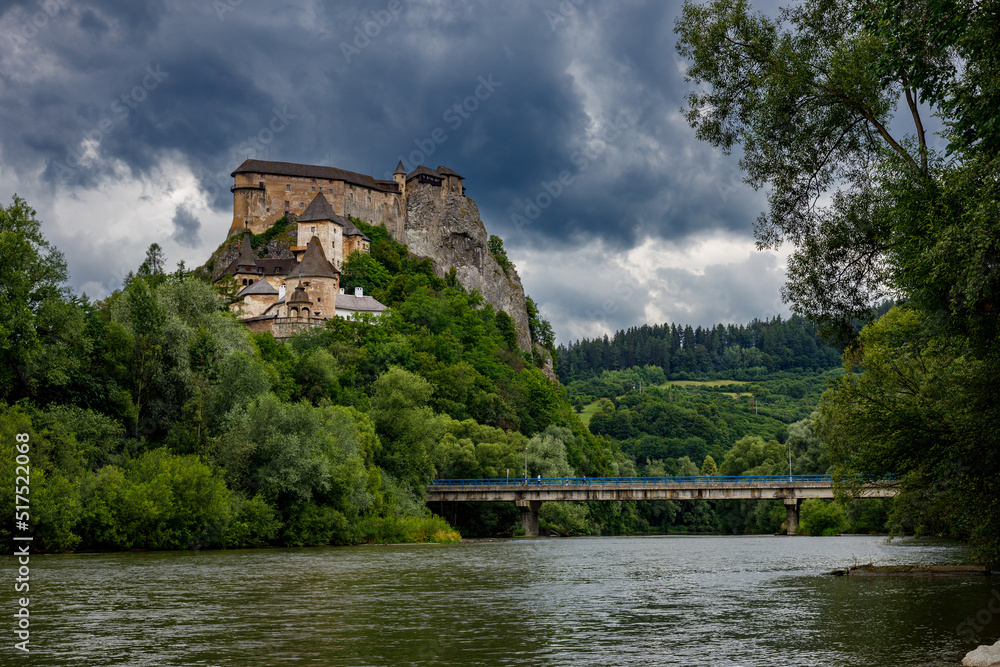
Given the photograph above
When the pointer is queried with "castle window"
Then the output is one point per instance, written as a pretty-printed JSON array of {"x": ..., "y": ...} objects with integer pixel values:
[
  {"x": 262, "y": 185},
  {"x": 331, "y": 191},
  {"x": 312, "y": 229},
  {"x": 369, "y": 199},
  {"x": 286, "y": 204},
  {"x": 314, "y": 188},
  {"x": 244, "y": 281},
  {"x": 260, "y": 269},
  {"x": 318, "y": 299},
  {"x": 288, "y": 188},
  {"x": 250, "y": 282}
]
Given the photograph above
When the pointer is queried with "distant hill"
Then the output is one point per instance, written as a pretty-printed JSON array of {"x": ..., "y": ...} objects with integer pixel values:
[{"x": 743, "y": 352}]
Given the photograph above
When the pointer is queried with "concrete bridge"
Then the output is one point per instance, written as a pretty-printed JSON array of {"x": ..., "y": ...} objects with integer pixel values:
[{"x": 529, "y": 494}]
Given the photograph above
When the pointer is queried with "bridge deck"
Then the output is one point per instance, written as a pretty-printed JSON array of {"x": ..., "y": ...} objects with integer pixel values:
[{"x": 783, "y": 487}]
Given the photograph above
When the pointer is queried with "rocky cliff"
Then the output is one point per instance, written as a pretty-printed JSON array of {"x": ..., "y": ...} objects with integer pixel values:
[{"x": 448, "y": 230}]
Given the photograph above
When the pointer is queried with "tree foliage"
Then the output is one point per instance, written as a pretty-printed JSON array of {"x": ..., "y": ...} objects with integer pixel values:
[
  {"x": 874, "y": 211},
  {"x": 809, "y": 98},
  {"x": 33, "y": 298},
  {"x": 158, "y": 421}
]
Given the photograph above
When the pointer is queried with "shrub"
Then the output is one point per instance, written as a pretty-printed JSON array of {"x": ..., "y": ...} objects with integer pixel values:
[{"x": 818, "y": 517}]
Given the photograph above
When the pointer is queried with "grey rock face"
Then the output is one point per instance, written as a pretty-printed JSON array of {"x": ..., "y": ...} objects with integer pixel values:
[
  {"x": 984, "y": 656},
  {"x": 448, "y": 230}
]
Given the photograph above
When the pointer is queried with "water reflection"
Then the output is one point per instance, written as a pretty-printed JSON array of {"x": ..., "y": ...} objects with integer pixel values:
[{"x": 627, "y": 601}]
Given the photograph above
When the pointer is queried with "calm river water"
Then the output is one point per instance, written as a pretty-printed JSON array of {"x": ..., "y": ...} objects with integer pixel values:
[{"x": 599, "y": 601}]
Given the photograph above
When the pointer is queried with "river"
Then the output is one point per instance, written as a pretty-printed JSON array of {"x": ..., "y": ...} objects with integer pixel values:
[{"x": 709, "y": 600}]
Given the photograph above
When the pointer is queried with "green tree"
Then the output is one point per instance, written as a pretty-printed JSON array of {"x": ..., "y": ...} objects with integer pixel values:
[
  {"x": 154, "y": 262},
  {"x": 708, "y": 467},
  {"x": 495, "y": 246},
  {"x": 818, "y": 517},
  {"x": 307, "y": 462},
  {"x": 809, "y": 98},
  {"x": 751, "y": 455},
  {"x": 407, "y": 427},
  {"x": 32, "y": 291},
  {"x": 541, "y": 330},
  {"x": 546, "y": 453},
  {"x": 363, "y": 270},
  {"x": 810, "y": 455},
  {"x": 874, "y": 213},
  {"x": 139, "y": 312},
  {"x": 921, "y": 409}
]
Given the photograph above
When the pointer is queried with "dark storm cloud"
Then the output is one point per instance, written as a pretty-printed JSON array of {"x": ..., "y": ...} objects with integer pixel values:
[
  {"x": 186, "y": 227},
  {"x": 570, "y": 107},
  {"x": 562, "y": 85}
]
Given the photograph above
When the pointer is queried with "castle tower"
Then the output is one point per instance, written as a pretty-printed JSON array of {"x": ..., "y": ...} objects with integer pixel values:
[
  {"x": 322, "y": 278},
  {"x": 248, "y": 203},
  {"x": 452, "y": 180},
  {"x": 337, "y": 234},
  {"x": 300, "y": 305},
  {"x": 319, "y": 220},
  {"x": 247, "y": 272},
  {"x": 257, "y": 298},
  {"x": 354, "y": 239},
  {"x": 400, "y": 177}
]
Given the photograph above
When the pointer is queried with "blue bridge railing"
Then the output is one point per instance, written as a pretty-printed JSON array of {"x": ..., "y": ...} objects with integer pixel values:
[{"x": 636, "y": 481}]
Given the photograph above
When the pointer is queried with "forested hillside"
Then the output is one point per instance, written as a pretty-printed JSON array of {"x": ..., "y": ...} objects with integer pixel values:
[
  {"x": 738, "y": 352},
  {"x": 721, "y": 426},
  {"x": 157, "y": 421}
]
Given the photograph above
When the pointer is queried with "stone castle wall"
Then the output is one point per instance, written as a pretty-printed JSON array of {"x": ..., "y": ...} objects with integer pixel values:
[
  {"x": 438, "y": 222},
  {"x": 261, "y": 199}
]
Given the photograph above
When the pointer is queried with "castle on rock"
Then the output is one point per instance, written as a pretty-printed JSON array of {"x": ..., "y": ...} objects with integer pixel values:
[{"x": 287, "y": 294}]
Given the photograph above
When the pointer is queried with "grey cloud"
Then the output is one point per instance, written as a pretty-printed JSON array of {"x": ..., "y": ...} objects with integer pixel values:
[
  {"x": 589, "y": 293},
  {"x": 228, "y": 74},
  {"x": 186, "y": 227}
]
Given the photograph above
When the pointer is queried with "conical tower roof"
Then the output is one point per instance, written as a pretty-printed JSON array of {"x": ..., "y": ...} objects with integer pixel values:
[
  {"x": 314, "y": 263},
  {"x": 319, "y": 209},
  {"x": 400, "y": 169},
  {"x": 245, "y": 263}
]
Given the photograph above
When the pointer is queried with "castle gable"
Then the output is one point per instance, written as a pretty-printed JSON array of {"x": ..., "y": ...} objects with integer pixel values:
[{"x": 259, "y": 288}]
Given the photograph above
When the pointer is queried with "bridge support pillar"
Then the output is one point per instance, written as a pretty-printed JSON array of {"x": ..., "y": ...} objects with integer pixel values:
[
  {"x": 529, "y": 516},
  {"x": 792, "y": 515}
]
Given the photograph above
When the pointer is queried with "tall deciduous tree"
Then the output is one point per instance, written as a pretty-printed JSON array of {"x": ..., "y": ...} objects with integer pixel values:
[
  {"x": 873, "y": 212},
  {"x": 32, "y": 290},
  {"x": 810, "y": 97}
]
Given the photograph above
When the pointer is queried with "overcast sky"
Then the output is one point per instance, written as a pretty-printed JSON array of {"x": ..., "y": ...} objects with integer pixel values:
[{"x": 121, "y": 120}]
